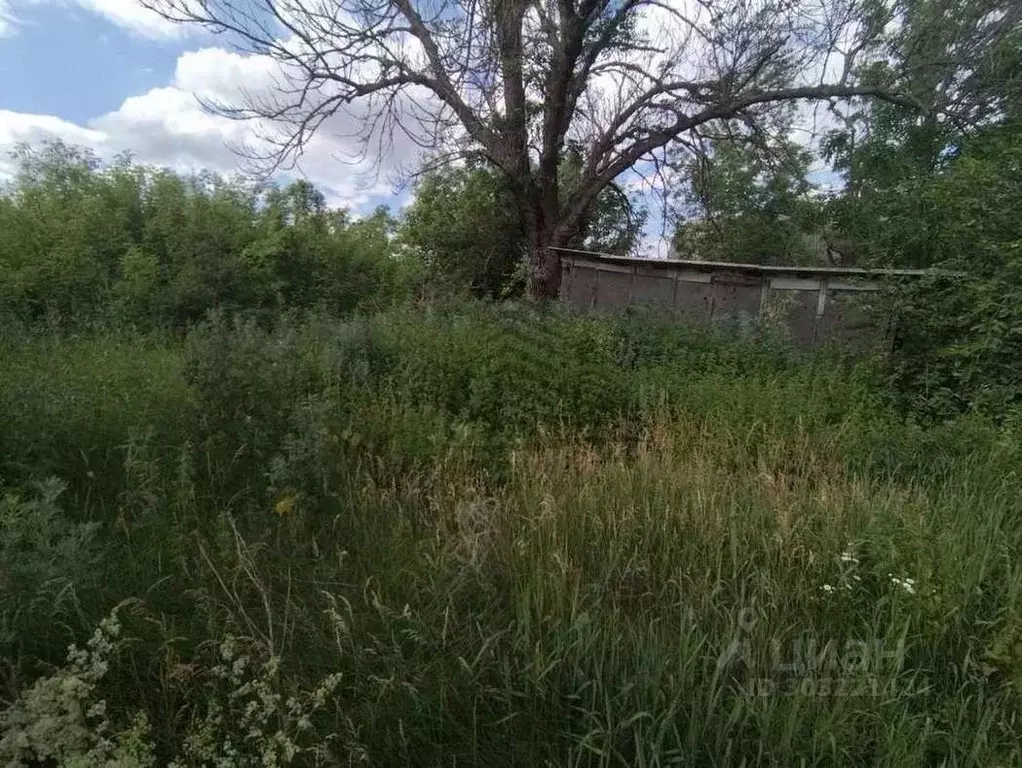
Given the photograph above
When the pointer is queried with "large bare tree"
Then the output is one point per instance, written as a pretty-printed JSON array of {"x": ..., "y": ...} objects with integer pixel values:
[{"x": 518, "y": 81}]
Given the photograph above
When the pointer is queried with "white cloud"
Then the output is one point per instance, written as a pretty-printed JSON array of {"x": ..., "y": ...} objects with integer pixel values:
[
  {"x": 167, "y": 126},
  {"x": 129, "y": 15},
  {"x": 216, "y": 73},
  {"x": 18, "y": 127},
  {"x": 132, "y": 16},
  {"x": 7, "y": 20}
]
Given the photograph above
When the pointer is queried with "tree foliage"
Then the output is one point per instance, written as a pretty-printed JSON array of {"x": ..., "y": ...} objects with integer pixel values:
[
  {"x": 960, "y": 339},
  {"x": 82, "y": 242},
  {"x": 465, "y": 223},
  {"x": 939, "y": 188},
  {"x": 747, "y": 201}
]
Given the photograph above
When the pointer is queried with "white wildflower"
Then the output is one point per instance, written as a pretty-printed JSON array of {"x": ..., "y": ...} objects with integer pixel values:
[{"x": 909, "y": 585}]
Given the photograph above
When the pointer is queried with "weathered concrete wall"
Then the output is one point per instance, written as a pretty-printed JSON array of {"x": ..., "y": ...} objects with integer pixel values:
[{"x": 814, "y": 304}]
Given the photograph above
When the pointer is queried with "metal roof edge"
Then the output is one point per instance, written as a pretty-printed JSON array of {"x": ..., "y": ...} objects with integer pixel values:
[{"x": 761, "y": 268}]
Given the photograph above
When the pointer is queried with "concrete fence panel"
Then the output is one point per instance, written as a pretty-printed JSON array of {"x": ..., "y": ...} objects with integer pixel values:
[{"x": 813, "y": 305}]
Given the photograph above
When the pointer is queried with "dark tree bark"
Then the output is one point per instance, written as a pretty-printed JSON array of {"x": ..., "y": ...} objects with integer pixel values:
[{"x": 515, "y": 80}]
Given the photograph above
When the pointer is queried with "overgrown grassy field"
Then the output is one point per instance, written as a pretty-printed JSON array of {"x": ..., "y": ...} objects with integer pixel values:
[{"x": 474, "y": 535}]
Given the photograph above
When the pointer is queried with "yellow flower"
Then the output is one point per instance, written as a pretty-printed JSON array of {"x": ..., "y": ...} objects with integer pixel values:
[{"x": 285, "y": 506}]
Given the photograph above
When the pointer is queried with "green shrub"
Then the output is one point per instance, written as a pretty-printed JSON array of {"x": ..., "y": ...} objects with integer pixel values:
[
  {"x": 45, "y": 558},
  {"x": 69, "y": 406},
  {"x": 959, "y": 343}
]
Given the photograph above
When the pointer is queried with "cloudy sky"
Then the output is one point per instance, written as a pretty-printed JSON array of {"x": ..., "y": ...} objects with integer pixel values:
[{"x": 111, "y": 75}]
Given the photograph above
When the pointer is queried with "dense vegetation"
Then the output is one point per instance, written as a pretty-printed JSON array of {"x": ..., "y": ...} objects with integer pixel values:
[
  {"x": 934, "y": 184},
  {"x": 410, "y": 538},
  {"x": 128, "y": 245},
  {"x": 321, "y": 509},
  {"x": 284, "y": 485},
  {"x": 958, "y": 337},
  {"x": 312, "y": 503}
]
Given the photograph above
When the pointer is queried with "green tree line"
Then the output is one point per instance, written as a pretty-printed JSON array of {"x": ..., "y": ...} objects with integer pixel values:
[
  {"x": 85, "y": 241},
  {"x": 88, "y": 242}
]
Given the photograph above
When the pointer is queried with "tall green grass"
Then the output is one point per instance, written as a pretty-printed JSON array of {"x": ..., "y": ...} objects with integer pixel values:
[{"x": 519, "y": 538}]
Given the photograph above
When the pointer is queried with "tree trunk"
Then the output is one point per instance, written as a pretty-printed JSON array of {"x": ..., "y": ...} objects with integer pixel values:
[
  {"x": 544, "y": 267},
  {"x": 544, "y": 270}
]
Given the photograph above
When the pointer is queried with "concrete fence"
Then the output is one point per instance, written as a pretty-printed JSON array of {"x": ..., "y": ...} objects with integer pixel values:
[{"x": 814, "y": 304}]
